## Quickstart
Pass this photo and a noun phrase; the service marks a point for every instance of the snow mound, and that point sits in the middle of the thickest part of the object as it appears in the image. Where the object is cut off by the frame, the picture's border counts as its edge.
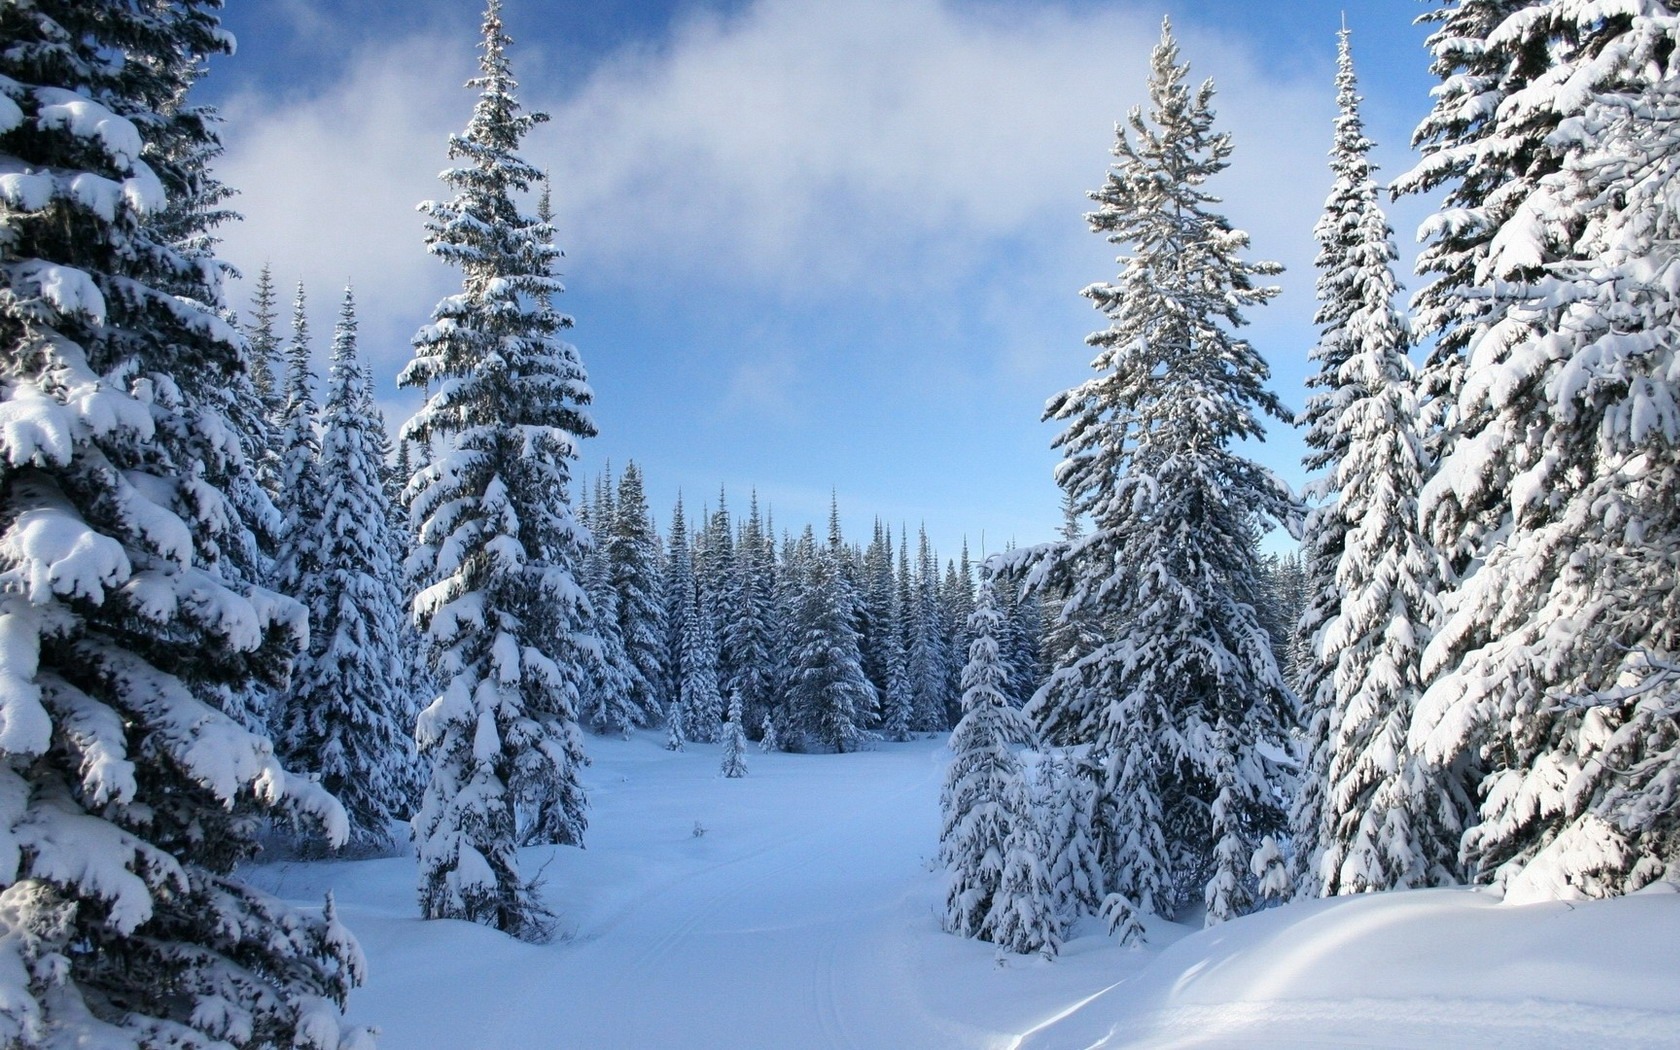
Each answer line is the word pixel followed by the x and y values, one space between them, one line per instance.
pixel 1426 968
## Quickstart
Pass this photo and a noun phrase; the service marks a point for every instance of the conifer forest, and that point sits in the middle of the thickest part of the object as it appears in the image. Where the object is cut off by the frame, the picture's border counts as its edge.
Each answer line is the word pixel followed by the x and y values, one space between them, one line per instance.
pixel 323 729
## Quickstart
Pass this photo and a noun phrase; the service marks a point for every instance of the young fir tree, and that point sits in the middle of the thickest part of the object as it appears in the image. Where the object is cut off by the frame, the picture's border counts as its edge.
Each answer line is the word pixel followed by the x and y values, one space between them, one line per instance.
pixel 1188 688
pixel 1366 818
pixel 298 560
pixel 998 888
pixel 700 698
pixel 266 377
pixel 342 718
pixel 928 652
pixel 898 702
pixel 632 550
pixel 1074 866
pixel 606 704
pixel 679 594
pixel 750 633
pixel 734 741
pixel 1557 494
pixel 503 612
pixel 828 692
pixel 130 621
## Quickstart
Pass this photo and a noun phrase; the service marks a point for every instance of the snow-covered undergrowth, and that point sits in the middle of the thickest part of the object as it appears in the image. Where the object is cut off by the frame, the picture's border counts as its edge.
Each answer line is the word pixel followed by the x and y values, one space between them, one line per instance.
pixel 805 914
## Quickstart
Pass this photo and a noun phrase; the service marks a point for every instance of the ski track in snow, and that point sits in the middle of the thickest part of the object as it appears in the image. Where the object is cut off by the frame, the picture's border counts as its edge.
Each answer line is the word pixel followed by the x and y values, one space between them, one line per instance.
pixel 806 917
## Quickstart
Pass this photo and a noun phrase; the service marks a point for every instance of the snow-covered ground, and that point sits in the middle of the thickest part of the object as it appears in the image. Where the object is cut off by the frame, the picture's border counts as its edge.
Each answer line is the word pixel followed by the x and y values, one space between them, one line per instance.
pixel 804 914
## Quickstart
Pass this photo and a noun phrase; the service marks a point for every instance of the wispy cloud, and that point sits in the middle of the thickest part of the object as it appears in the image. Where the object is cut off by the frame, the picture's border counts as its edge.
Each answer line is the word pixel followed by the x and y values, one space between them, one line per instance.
pixel 902 159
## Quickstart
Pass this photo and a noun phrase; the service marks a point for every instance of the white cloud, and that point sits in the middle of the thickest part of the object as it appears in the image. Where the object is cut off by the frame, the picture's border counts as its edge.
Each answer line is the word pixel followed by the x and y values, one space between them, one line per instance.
pixel 328 187
pixel 889 156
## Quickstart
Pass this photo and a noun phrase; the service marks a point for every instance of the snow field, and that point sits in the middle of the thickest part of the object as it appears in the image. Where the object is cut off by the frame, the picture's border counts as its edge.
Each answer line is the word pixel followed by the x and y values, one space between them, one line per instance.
pixel 807 916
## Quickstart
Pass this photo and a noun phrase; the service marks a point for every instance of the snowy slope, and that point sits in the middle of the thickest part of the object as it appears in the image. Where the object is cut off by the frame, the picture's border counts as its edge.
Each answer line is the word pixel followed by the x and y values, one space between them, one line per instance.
pixel 806 916
pixel 1427 968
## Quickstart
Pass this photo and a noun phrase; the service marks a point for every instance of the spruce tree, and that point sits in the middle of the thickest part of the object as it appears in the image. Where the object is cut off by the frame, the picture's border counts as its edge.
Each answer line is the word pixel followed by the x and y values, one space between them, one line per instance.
pixel 503 612
pixel 750 634
pixel 131 621
pixel 1074 871
pixel 998 888
pixel 606 702
pixel 632 555
pixel 343 717
pixel 298 561
pixel 700 698
pixel 1557 494
pixel 679 594
pixel 1188 690
pixel 734 741
pixel 1366 817
pixel 828 690
pixel 928 651
pixel 267 377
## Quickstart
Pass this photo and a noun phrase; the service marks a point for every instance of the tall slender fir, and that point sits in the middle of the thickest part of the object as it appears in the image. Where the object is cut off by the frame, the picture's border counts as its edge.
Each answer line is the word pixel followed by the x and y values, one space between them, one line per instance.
pixel 503 612
pixel 1187 693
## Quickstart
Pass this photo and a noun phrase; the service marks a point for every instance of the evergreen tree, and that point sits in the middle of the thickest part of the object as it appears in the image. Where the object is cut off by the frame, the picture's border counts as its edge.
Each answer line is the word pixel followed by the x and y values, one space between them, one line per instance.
pixel 343 715
pixel 1188 686
pixel 898 702
pixel 607 704
pixel 679 595
pixel 1555 497
pixel 1074 864
pixel 131 621
pixel 266 377
pixel 1366 818
pixel 633 563
pixel 956 602
pixel 734 741
pixel 750 635
pixel 700 698
pixel 828 689
pixel 298 561
pixel 503 612
pixel 929 660
pixel 1063 710
pixel 989 842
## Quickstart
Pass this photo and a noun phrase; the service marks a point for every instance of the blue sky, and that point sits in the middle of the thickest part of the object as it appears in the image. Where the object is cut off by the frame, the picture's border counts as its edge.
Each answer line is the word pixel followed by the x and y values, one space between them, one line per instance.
pixel 812 245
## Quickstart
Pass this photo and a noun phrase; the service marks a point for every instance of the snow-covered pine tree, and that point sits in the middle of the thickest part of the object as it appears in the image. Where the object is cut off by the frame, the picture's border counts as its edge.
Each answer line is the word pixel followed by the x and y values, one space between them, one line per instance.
pixel 828 691
pixel 956 603
pixel 633 564
pixel 734 741
pixel 267 377
pixel 715 571
pixel 898 702
pixel 1557 495
pixel 1068 802
pixel 750 631
pixel 605 701
pixel 1189 688
pixel 503 612
pixel 129 620
pixel 679 594
pixel 343 714
pixel 699 697
pixel 875 590
pixel 1366 816
pixel 297 563
pixel 928 652
pixel 1062 709
pixel 998 888
pixel 1023 628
